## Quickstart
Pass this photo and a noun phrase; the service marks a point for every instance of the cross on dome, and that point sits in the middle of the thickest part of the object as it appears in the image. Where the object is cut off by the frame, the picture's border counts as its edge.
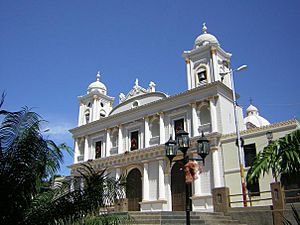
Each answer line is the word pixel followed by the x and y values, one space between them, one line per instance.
pixel 251 101
pixel 98 76
pixel 204 28
pixel 136 83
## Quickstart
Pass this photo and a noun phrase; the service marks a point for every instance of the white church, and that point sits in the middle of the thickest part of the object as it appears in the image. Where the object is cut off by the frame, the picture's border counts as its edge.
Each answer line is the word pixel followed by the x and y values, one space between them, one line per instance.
pixel 130 137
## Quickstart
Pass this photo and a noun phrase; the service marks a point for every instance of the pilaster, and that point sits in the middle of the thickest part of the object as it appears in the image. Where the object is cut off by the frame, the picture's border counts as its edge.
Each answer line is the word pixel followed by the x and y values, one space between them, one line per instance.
pixel 120 140
pixel 108 145
pixel 161 128
pixel 161 180
pixel 146 182
pixel 217 176
pixel 213 114
pixel 147 132
pixel 188 71
pixel 195 124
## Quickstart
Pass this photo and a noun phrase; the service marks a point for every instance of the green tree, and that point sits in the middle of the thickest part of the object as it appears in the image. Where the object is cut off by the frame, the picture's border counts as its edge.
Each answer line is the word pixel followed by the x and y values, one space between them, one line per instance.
pixel 280 157
pixel 85 205
pixel 26 160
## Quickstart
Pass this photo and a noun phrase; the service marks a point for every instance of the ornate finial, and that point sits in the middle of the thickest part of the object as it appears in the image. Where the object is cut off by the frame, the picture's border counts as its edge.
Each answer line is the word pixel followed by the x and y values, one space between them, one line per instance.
pixel 204 28
pixel 98 76
pixel 152 86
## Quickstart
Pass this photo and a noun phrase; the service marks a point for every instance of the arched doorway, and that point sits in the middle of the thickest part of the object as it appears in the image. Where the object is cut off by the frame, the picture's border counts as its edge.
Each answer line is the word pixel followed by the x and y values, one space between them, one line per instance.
pixel 134 189
pixel 178 187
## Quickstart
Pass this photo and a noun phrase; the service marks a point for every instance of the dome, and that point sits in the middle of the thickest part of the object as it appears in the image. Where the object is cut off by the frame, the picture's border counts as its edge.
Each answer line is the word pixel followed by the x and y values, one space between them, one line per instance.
pixel 205 38
pixel 97 85
pixel 253 118
pixel 251 109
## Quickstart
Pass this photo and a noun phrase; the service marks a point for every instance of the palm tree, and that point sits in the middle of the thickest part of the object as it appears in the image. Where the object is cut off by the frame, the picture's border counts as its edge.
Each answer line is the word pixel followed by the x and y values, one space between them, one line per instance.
pixel 85 205
pixel 26 159
pixel 280 157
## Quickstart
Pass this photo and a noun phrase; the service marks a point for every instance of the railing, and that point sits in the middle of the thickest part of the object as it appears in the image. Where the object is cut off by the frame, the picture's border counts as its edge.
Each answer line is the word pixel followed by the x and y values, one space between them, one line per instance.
pixel 292 195
pixel 258 198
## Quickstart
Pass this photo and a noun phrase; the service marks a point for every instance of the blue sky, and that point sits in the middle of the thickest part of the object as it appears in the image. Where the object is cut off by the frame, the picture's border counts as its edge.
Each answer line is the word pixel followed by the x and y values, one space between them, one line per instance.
pixel 50 51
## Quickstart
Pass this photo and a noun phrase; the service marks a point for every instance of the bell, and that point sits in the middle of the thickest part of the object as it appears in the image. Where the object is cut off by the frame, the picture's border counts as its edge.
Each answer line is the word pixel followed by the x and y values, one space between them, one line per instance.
pixel 201 76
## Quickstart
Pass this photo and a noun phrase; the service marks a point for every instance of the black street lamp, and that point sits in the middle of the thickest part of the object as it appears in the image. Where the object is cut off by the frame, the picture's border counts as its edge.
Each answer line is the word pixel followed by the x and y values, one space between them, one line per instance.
pixel 183 144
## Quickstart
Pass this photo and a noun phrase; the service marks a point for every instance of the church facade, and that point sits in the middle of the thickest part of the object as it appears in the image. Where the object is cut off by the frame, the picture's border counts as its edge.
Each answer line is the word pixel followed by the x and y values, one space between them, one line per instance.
pixel 129 138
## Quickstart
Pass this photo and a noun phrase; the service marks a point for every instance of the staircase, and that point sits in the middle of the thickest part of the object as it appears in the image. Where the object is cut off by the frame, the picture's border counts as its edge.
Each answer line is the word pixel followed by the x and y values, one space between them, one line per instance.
pixel 178 218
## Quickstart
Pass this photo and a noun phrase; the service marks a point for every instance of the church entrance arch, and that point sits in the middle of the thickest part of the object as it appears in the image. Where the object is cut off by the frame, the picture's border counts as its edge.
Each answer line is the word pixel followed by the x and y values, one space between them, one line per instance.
pixel 134 189
pixel 178 187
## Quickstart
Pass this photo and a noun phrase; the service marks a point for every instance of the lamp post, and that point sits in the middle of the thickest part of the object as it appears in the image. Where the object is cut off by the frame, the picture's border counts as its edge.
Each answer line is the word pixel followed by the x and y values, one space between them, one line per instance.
pixel 239 143
pixel 182 143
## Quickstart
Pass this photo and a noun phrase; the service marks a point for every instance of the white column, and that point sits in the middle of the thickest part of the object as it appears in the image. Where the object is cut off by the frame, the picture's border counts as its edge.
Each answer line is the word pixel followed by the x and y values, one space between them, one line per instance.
pixel 188 73
pixel 216 167
pixel 193 82
pixel 161 181
pixel 86 149
pixel 76 150
pixel 94 108
pixel 120 140
pixel 80 116
pixel 107 142
pixel 146 182
pixel 215 65
pixel 161 128
pixel 147 132
pixel 197 184
pixel 168 177
pixel 195 123
pixel 213 114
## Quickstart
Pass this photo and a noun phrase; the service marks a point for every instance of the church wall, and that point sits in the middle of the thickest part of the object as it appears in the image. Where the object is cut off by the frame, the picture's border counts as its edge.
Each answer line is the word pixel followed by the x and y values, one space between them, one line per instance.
pixel 231 163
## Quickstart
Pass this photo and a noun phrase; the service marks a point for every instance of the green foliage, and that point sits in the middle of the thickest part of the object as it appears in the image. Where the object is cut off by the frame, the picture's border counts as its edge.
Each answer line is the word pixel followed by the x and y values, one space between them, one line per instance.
pixel 64 206
pixel 26 159
pixel 279 157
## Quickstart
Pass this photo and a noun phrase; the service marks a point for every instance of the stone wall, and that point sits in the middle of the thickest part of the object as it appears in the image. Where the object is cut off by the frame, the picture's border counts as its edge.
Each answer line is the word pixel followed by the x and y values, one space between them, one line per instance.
pixel 252 215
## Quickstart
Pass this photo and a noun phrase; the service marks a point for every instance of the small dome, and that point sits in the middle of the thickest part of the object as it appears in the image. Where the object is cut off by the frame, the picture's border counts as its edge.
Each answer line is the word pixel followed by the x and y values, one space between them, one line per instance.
pixel 252 109
pixel 253 118
pixel 205 38
pixel 97 85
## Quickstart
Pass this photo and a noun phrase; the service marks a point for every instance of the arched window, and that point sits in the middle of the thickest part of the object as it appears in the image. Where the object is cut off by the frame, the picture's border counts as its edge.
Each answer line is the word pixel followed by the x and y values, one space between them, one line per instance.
pixel 87 116
pixel 154 128
pixel 154 132
pixel 201 76
pixel 114 139
pixel 102 114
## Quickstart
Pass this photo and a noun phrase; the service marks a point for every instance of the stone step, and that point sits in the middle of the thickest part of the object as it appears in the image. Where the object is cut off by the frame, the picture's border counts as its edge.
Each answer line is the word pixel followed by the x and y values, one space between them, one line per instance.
pixel 178 218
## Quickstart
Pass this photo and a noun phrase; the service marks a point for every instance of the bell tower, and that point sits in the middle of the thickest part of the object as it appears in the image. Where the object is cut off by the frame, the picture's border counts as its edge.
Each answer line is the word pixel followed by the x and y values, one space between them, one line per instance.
pixel 206 61
pixel 96 104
